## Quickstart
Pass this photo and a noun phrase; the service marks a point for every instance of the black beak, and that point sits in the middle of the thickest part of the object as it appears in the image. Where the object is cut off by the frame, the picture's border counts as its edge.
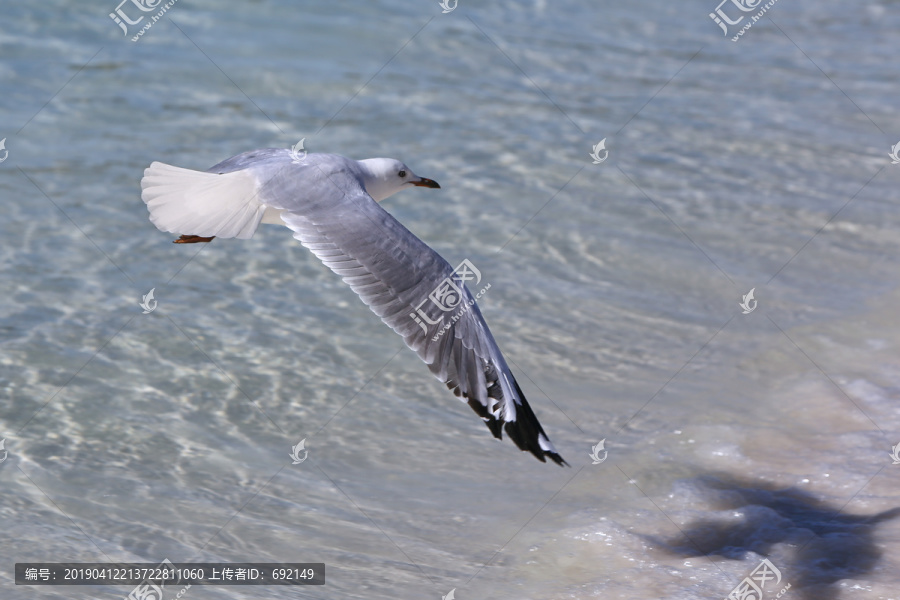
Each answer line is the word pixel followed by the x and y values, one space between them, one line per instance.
pixel 429 183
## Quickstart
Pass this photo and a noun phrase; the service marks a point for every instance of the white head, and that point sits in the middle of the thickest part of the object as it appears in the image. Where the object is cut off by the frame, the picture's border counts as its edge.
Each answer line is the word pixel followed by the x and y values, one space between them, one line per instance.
pixel 384 177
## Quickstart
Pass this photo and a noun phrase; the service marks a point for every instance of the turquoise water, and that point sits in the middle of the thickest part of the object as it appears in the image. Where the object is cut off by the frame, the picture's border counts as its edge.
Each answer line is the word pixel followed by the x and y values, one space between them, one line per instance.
pixel 615 292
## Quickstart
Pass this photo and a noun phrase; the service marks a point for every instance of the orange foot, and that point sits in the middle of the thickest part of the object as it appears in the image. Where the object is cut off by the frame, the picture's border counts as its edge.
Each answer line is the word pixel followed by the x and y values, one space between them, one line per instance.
pixel 192 239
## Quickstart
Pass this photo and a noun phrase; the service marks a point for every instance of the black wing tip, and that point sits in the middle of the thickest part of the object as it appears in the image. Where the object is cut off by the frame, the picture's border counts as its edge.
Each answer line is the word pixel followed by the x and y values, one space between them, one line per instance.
pixel 525 431
pixel 555 457
pixel 527 440
pixel 528 432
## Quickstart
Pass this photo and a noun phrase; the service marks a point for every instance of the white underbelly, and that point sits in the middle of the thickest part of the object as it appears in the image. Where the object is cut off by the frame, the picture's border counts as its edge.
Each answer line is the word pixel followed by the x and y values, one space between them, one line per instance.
pixel 272 216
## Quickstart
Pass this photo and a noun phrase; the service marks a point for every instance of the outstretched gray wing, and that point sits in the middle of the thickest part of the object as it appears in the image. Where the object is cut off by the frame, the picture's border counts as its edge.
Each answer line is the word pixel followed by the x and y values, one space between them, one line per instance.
pixel 394 273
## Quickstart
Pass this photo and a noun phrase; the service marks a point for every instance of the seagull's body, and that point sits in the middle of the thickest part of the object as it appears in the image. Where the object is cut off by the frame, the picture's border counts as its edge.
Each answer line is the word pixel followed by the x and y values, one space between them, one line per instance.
pixel 331 204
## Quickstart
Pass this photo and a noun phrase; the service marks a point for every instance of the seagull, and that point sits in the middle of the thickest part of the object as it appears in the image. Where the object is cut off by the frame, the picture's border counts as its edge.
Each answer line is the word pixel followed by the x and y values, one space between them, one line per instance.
pixel 331 203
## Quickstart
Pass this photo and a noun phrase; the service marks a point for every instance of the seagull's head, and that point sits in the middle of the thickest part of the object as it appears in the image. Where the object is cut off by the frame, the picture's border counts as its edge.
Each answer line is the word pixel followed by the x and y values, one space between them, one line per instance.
pixel 384 177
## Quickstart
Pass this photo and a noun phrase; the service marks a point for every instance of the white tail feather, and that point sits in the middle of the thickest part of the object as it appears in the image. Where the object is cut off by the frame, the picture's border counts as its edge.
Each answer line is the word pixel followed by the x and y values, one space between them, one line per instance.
pixel 205 204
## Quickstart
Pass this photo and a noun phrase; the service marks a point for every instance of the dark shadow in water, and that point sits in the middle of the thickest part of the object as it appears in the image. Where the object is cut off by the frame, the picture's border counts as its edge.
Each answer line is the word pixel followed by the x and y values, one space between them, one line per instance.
pixel 827 546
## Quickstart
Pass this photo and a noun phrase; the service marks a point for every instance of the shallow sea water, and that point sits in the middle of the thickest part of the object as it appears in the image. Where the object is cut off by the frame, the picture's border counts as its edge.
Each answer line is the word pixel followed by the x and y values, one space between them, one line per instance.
pixel 615 292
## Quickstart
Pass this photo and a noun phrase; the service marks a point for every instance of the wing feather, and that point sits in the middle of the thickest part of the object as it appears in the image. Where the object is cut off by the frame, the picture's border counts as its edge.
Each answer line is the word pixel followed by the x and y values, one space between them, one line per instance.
pixel 393 272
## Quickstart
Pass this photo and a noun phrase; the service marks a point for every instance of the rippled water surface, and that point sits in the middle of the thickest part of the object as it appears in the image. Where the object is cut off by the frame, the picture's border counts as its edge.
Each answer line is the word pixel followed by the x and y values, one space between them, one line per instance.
pixel 615 289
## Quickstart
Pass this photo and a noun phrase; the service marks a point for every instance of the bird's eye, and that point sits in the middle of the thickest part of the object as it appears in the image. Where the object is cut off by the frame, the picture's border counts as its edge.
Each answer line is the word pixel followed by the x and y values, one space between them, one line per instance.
pixel 401 174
